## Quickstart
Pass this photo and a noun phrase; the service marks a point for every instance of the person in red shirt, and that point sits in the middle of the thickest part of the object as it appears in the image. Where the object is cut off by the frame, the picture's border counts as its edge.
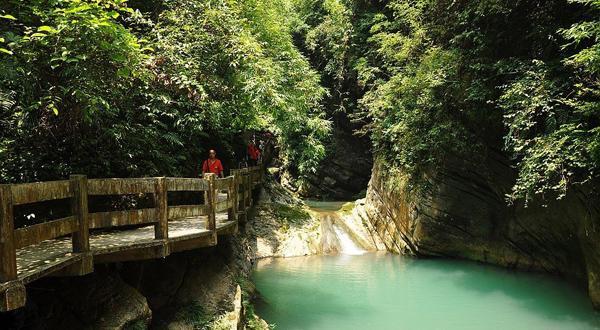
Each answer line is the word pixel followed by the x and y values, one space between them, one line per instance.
pixel 212 164
pixel 253 153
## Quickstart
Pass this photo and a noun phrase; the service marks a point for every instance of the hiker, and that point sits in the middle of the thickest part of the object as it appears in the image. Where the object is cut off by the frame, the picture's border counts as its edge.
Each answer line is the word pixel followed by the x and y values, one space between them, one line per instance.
pixel 253 153
pixel 212 164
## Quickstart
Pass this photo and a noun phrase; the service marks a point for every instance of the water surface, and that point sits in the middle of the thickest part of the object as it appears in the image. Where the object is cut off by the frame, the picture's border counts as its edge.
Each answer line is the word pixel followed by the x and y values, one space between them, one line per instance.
pixel 382 291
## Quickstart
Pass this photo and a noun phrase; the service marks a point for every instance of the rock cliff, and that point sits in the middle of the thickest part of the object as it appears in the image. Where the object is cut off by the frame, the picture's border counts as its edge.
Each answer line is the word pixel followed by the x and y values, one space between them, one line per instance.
pixel 465 215
pixel 345 171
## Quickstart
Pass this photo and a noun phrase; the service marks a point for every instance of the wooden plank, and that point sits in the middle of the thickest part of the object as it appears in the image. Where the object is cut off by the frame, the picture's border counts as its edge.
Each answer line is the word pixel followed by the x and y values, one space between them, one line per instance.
pixel 76 267
pixel 228 228
pixel 79 209
pixel 211 201
pixel 120 186
pixel 122 218
pixel 8 256
pixel 224 184
pixel 221 206
pixel 232 199
pixel 43 231
pixel 248 191
pixel 48 267
pixel 197 241
pixel 26 193
pixel 12 296
pixel 184 211
pixel 151 250
pixel 161 228
pixel 186 184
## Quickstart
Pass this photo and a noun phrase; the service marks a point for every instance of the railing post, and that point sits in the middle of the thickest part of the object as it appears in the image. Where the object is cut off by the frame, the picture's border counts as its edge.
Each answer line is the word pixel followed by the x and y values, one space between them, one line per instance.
pixel 232 196
pixel 8 261
pixel 262 173
pixel 79 208
pixel 248 190
pixel 237 176
pixel 161 228
pixel 210 202
pixel 13 295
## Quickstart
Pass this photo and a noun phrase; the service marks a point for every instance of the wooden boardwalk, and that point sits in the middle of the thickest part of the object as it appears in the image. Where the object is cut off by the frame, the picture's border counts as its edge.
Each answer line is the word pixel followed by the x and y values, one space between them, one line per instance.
pixel 71 246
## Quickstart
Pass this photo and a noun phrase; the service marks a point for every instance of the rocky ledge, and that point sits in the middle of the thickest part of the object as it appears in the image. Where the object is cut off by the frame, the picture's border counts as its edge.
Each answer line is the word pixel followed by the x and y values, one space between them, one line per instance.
pixel 284 226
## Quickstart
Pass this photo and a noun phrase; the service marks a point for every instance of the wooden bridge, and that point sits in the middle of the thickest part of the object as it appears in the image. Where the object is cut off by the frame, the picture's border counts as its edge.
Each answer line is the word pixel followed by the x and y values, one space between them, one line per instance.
pixel 70 246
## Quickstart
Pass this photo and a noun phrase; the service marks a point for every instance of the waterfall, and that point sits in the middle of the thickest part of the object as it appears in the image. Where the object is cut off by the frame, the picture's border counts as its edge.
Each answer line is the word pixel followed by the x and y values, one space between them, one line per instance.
pixel 347 244
pixel 335 238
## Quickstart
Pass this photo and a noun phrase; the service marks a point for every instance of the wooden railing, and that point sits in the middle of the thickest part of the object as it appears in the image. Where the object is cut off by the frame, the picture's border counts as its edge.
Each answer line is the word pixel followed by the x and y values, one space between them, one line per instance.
pixel 232 195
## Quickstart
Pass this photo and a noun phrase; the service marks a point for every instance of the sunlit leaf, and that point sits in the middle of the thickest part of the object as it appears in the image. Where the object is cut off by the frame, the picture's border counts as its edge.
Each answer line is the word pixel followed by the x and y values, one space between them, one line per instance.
pixel 10 17
pixel 46 28
pixel 38 35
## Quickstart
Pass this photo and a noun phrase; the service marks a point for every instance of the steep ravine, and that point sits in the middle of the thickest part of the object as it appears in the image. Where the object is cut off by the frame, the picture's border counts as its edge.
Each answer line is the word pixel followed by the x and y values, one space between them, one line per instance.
pixel 465 215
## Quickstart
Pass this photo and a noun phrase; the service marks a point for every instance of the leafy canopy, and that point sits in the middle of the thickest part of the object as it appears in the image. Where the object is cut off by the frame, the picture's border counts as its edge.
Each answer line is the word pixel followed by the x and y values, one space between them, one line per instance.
pixel 111 88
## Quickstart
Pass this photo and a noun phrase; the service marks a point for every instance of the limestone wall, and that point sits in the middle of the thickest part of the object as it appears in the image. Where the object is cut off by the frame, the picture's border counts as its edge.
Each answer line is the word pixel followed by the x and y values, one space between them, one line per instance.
pixel 465 215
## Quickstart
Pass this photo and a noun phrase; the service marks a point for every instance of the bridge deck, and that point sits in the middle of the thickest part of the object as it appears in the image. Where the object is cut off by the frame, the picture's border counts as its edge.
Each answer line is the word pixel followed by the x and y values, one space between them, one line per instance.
pixel 50 252
pixel 36 260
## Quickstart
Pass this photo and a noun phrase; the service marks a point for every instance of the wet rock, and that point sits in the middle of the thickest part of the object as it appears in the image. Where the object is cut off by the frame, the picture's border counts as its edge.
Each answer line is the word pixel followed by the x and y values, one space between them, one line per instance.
pixel 354 219
pixel 282 227
pixel 330 243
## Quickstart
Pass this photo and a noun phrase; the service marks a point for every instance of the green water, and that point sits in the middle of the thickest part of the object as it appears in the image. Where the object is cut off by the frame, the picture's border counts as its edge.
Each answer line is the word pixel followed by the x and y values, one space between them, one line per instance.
pixel 382 291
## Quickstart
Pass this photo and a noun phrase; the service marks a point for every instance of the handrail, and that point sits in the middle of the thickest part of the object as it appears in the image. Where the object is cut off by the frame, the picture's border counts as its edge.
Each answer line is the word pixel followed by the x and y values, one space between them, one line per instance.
pixel 78 224
pixel 120 186
pixel 43 231
pixel 186 184
pixel 26 193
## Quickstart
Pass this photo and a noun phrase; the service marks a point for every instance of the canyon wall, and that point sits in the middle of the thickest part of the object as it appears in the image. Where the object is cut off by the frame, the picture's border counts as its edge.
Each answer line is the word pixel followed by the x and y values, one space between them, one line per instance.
pixel 465 215
pixel 346 169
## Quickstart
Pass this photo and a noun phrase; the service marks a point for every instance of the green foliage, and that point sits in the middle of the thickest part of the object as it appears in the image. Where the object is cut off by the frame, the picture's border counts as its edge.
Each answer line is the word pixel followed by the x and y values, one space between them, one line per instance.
pixel 295 215
pixel 440 81
pixel 111 88
pixel 411 124
pixel 553 111
pixel 101 88
pixel 195 316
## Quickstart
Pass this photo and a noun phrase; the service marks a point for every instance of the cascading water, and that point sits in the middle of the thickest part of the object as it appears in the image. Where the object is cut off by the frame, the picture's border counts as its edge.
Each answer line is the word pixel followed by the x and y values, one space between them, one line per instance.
pixel 334 238
pixel 347 245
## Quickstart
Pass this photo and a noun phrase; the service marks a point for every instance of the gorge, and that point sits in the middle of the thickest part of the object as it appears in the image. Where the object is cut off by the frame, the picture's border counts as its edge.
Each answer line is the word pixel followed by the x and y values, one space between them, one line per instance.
pixel 461 137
